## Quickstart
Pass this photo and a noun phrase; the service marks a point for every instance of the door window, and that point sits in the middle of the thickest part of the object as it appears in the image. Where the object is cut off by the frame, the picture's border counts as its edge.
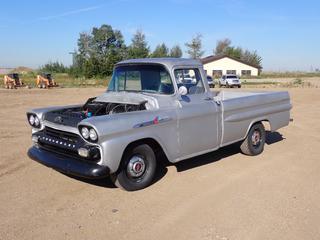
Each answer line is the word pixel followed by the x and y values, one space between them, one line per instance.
pixel 191 79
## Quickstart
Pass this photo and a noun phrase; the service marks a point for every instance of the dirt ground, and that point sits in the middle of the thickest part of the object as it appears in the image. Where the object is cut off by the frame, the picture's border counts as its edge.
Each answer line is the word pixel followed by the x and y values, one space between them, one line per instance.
pixel 221 195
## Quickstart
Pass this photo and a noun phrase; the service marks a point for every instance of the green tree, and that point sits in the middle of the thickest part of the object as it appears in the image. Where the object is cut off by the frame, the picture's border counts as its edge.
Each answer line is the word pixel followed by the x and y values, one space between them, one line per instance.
pixel 195 47
pixel 161 51
pixel 235 52
pixel 99 50
pixel 224 47
pixel 252 58
pixel 176 52
pixel 139 46
pixel 221 46
pixel 53 67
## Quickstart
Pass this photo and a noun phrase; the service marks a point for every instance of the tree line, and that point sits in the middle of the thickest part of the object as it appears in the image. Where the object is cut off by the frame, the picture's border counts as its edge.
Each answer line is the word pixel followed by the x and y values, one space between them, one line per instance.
pixel 98 51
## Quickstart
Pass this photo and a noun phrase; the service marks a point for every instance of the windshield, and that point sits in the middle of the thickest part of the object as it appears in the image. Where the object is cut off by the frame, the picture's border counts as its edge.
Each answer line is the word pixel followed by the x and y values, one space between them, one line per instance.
pixel 232 76
pixel 141 78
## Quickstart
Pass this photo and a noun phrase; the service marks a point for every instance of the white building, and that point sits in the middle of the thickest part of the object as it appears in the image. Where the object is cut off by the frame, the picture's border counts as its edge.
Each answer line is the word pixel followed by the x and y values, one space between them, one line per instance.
pixel 219 65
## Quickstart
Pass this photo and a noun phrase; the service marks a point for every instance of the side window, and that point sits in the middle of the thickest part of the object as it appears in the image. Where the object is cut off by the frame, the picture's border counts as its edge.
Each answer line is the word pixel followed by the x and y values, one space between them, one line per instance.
pixel 191 79
pixel 166 85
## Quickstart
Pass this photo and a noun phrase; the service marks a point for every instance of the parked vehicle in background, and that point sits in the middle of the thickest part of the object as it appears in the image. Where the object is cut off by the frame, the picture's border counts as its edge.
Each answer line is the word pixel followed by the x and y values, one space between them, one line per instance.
pixel 45 80
pixel 148 113
pixel 12 81
pixel 210 81
pixel 230 80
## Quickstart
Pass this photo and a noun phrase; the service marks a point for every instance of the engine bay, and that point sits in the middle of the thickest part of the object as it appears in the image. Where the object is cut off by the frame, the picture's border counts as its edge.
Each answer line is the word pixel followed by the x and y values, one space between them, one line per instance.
pixel 72 116
pixel 94 108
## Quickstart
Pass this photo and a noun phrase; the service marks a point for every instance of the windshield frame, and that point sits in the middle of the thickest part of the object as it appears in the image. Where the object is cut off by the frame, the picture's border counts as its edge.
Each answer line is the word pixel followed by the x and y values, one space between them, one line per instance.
pixel 144 91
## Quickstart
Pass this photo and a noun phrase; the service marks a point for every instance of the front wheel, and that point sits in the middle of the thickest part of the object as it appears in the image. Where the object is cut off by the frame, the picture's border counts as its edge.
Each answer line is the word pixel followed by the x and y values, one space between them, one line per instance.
pixel 255 140
pixel 137 169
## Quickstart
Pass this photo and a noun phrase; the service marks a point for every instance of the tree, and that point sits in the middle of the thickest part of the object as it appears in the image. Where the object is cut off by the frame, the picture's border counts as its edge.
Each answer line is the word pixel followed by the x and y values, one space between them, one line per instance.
pixel 139 47
pixel 99 50
pixel 53 67
pixel 221 46
pixel 176 52
pixel 195 47
pixel 161 51
pixel 252 58
pixel 235 52
pixel 224 47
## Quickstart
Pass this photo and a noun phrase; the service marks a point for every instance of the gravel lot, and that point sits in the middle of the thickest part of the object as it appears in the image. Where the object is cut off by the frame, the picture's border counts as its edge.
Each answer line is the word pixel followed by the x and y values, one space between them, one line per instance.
pixel 221 195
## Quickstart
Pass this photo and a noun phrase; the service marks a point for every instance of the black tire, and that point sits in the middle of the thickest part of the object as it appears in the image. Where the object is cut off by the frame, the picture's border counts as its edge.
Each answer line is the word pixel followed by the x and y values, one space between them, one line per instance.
pixel 124 179
pixel 254 143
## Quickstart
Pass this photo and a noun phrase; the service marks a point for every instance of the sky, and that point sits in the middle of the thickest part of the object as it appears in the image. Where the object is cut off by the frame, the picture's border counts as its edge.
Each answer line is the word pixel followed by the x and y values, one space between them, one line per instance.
pixel 286 34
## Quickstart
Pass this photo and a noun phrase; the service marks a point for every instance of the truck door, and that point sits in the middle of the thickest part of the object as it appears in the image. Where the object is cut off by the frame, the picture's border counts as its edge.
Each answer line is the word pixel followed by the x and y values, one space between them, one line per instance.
pixel 198 115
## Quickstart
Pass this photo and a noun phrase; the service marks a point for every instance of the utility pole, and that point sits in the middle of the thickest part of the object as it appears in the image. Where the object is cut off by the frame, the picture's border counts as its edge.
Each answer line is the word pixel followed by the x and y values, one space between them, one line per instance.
pixel 74 60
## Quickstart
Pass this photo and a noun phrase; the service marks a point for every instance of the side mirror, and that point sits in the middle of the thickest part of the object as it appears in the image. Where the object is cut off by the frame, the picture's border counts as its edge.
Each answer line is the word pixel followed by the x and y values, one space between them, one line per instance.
pixel 183 91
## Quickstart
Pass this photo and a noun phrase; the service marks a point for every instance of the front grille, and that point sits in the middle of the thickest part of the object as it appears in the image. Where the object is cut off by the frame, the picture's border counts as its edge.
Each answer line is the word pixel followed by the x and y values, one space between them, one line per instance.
pixel 71 138
pixel 62 142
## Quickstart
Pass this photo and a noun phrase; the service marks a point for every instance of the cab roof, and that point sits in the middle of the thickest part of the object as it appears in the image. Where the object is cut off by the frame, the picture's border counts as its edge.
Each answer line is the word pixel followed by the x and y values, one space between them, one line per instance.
pixel 168 62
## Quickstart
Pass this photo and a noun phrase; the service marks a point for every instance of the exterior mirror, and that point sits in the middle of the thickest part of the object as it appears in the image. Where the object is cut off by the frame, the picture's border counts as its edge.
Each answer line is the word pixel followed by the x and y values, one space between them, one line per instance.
pixel 183 91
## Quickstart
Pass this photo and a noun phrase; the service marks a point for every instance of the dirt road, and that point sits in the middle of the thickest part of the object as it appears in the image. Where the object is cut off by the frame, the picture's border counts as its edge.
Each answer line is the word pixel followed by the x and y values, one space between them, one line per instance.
pixel 221 195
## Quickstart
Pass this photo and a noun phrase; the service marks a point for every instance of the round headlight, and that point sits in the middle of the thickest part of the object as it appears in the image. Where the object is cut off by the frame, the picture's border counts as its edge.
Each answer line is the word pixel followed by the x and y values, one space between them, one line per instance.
pixel 85 132
pixel 31 119
pixel 36 121
pixel 93 135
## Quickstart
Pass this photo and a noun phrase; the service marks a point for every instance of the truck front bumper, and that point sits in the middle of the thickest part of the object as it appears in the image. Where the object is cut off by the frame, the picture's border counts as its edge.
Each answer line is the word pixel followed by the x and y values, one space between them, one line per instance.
pixel 68 165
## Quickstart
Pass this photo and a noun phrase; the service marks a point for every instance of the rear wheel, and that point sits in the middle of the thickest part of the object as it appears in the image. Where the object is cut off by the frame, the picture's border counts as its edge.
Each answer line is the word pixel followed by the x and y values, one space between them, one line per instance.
pixel 137 169
pixel 255 140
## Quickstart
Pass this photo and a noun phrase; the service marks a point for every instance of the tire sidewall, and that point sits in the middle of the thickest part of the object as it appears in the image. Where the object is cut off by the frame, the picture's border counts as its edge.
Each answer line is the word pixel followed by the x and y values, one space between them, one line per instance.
pixel 253 149
pixel 130 184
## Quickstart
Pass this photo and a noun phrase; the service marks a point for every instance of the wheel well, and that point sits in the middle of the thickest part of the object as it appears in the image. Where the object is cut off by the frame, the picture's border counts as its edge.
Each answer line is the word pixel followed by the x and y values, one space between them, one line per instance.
pixel 160 154
pixel 265 123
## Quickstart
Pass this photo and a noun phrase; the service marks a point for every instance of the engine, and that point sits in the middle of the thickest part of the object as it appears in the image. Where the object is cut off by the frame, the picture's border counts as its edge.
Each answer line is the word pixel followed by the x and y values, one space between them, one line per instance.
pixel 72 116
pixel 93 108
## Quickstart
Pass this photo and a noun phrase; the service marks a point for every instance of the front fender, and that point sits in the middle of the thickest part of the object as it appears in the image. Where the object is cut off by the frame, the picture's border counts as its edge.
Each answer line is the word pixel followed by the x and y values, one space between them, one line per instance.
pixel 117 131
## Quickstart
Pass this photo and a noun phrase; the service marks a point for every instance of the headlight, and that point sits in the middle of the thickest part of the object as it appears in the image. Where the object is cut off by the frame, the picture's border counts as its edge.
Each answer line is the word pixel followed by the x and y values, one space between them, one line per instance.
pixel 88 133
pixel 93 135
pixel 85 132
pixel 36 121
pixel 33 120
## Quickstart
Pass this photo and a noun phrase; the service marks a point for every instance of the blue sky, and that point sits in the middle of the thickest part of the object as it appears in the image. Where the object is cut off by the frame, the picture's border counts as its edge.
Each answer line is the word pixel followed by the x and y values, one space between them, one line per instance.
pixel 285 33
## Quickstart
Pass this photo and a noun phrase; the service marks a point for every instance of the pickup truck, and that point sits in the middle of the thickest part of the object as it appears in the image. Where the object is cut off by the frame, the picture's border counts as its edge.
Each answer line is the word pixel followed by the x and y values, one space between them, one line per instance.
pixel 230 80
pixel 147 113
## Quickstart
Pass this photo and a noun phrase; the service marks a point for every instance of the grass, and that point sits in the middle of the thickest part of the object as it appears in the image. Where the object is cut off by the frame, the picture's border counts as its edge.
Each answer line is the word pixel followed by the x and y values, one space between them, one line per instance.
pixel 285 75
pixel 258 83
pixel 63 79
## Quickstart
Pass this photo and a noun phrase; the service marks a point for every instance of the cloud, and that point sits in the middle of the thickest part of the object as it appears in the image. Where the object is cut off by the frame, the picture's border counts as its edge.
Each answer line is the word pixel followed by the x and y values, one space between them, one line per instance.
pixel 68 13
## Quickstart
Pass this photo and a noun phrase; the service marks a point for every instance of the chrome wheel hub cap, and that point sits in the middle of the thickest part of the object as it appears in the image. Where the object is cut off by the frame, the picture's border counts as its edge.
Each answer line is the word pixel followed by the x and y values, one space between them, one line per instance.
pixel 136 166
pixel 256 138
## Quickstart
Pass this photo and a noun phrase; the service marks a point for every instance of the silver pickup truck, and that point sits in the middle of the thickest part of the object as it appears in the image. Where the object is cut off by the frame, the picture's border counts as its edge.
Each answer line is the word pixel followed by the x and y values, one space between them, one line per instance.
pixel 149 110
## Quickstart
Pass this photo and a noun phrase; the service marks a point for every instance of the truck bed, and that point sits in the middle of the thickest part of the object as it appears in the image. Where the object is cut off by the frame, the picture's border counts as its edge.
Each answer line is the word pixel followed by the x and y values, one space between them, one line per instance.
pixel 242 109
